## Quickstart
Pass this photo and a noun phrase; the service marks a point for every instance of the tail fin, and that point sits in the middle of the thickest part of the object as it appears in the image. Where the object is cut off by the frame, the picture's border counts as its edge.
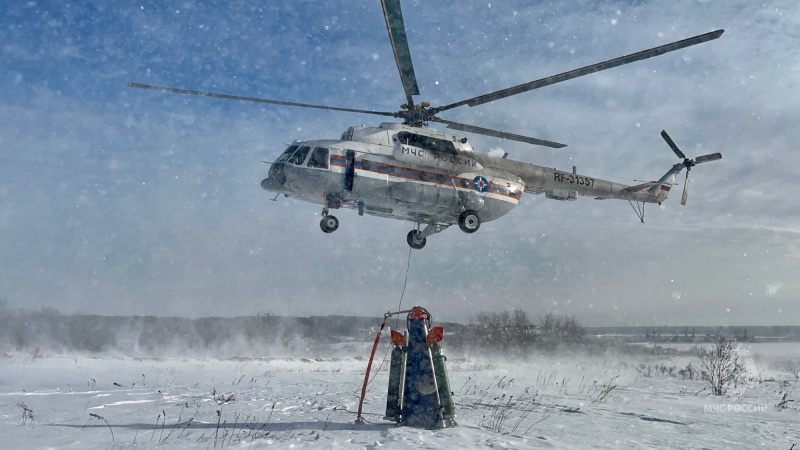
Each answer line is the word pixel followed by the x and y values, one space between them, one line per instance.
pixel 663 184
pixel 667 180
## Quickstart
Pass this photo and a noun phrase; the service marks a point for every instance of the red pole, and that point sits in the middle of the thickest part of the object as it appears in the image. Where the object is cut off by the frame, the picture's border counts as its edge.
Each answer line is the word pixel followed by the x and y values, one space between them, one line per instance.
pixel 360 419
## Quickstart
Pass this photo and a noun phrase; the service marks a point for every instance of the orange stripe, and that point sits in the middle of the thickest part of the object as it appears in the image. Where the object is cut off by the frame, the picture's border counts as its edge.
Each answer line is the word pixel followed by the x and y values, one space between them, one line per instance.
pixel 397 171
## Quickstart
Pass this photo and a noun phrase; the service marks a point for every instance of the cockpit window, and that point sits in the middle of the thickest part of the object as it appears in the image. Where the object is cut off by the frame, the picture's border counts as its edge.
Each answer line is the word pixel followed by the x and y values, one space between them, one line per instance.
pixel 299 156
pixel 319 158
pixel 427 142
pixel 286 154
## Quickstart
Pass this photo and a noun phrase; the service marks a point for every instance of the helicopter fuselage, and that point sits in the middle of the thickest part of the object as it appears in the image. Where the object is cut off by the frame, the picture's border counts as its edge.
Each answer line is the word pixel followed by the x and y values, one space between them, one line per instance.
pixel 424 176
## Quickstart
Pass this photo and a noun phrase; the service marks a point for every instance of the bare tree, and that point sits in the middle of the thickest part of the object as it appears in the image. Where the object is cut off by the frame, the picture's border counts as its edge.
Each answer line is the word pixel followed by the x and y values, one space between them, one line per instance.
pixel 561 327
pixel 722 366
pixel 521 322
pixel 504 330
pixel 791 366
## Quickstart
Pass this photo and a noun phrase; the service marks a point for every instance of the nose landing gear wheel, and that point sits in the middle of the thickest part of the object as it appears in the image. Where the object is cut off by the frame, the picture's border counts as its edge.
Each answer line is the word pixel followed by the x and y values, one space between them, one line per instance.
pixel 413 241
pixel 329 224
pixel 468 221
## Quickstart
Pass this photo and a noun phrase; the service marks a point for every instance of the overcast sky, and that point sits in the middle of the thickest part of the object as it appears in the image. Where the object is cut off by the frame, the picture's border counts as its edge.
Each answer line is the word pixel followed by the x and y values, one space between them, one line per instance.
pixel 121 201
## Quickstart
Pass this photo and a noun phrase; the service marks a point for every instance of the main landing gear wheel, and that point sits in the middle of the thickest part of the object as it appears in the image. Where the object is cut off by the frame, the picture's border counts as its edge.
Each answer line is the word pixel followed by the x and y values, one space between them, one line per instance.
pixel 413 240
pixel 329 224
pixel 468 221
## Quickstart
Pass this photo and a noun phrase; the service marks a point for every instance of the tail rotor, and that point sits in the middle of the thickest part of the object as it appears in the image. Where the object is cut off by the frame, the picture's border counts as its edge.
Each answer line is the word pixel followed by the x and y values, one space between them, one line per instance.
pixel 685 188
pixel 688 163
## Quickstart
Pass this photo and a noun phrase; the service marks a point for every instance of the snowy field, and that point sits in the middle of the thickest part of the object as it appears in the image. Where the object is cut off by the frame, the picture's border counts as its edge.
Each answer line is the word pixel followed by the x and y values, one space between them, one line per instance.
pixel 61 401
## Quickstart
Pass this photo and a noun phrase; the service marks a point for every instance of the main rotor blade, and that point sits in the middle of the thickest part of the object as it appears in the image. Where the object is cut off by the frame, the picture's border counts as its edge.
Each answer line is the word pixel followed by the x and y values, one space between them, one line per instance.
pixel 645 54
pixel 495 133
pixel 672 144
pixel 257 100
pixel 708 158
pixel 397 36
pixel 685 189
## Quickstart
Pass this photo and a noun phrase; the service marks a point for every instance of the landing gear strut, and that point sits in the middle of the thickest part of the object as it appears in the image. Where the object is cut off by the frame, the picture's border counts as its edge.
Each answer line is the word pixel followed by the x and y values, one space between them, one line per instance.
pixel 328 224
pixel 639 209
pixel 417 238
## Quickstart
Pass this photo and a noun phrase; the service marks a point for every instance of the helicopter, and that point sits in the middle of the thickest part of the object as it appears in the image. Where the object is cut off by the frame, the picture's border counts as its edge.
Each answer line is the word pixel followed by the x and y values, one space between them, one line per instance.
pixel 409 171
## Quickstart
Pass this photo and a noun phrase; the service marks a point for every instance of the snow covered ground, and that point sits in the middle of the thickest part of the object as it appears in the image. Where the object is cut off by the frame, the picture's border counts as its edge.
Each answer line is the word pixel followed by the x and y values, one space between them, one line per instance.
pixel 61 401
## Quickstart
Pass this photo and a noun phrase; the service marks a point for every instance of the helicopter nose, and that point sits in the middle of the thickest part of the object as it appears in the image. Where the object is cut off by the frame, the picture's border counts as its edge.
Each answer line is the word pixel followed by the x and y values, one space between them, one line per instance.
pixel 268 184
pixel 275 179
